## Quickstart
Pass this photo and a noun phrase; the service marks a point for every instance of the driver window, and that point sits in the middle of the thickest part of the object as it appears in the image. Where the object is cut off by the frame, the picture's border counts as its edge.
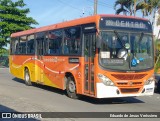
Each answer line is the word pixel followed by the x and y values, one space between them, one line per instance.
pixel 114 47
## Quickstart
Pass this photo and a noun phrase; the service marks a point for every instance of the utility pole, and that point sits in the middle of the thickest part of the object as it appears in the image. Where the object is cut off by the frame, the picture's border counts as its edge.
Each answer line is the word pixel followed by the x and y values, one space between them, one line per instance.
pixel 95 6
pixel 135 1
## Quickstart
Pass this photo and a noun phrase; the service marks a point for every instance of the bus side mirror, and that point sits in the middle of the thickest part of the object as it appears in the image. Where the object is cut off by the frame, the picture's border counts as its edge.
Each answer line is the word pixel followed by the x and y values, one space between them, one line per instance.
pixel 99 42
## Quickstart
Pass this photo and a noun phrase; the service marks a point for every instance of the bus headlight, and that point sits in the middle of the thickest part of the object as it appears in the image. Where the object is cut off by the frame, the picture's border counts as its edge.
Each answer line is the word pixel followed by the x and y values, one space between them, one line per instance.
pixel 149 81
pixel 106 81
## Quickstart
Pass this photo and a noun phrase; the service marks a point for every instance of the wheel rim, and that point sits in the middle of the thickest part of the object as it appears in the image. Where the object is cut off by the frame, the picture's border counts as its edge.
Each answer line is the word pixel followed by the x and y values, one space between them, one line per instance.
pixel 27 77
pixel 72 87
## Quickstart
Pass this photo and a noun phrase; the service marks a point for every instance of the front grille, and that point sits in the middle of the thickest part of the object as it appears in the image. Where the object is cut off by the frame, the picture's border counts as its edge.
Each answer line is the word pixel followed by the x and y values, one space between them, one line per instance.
pixel 129 83
pixel 132 90
pixel 137 83
pixel 122 83
pixel 128 76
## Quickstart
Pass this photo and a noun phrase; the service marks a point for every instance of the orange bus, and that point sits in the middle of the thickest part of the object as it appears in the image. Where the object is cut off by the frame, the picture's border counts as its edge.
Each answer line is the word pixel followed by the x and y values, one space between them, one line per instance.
pixel 101 56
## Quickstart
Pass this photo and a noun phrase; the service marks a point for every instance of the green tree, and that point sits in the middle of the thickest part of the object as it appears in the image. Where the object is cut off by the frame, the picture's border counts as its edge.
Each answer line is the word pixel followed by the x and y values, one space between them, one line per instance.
pixel 122 7
pixel 126 7
pixel 148 7
pixel 13 18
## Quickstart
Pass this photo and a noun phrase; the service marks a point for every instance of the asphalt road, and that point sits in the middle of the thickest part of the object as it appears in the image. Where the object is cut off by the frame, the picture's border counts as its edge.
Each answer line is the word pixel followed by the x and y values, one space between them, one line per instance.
pixel 16 96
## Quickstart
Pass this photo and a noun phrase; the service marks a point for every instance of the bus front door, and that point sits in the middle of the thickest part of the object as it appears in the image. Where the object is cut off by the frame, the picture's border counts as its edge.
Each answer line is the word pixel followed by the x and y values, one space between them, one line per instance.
pixel 89 53
pixel 39 61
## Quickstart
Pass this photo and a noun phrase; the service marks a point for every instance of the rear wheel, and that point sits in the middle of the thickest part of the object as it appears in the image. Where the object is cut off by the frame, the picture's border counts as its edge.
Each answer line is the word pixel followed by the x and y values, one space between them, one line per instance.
pixel 71 88
pixel 27 78
pixel 157 86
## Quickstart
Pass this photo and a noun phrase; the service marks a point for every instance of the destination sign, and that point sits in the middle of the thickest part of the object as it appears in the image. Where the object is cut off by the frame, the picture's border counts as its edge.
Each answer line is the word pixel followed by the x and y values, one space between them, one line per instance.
pixel 125 24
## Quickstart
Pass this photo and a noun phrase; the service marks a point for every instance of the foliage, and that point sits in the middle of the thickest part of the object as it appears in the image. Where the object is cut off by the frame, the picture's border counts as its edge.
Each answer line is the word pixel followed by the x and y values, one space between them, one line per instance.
pixel 158 21
pixel 13 18
pixel 3 51
pixel 147 7
pixel 157 66
pixel 4 62
pixel 157 55
pixel 124 6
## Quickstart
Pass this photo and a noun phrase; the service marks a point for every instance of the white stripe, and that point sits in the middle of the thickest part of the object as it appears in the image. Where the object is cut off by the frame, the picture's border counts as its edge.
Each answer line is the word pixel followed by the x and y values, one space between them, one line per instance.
pixel 27 60
pixel 57 72
pixel 23 63
pixel 39 60
pixel 74 67
pixel 51 70
pixel 16 66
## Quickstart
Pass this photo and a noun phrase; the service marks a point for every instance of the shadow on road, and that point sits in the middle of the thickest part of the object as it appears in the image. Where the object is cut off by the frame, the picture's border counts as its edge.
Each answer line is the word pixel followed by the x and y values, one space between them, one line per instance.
pixel 8 117
pixel 124 100
pixel 6 109
pixel 18 80
pixel 43 87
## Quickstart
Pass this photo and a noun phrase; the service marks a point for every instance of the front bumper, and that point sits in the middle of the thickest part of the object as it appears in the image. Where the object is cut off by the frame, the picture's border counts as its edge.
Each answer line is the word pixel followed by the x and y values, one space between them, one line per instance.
pixel 104 91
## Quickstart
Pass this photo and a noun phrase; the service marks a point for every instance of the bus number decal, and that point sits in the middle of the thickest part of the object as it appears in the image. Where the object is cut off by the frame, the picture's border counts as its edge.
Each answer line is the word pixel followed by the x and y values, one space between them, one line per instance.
pixel 73 60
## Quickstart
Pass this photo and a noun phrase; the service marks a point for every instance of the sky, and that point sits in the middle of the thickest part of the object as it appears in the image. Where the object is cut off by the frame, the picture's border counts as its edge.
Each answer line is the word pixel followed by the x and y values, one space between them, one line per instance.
pixel 47 12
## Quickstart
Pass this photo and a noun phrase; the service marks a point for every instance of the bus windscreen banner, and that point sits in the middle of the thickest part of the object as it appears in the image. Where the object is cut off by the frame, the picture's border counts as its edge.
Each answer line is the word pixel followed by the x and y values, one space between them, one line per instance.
pixel 125 24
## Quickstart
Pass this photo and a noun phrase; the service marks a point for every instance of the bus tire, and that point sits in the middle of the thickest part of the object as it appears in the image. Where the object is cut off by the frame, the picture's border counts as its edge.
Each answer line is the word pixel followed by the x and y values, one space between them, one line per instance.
pixel 71 88
pixel 27 78
pixel 157 86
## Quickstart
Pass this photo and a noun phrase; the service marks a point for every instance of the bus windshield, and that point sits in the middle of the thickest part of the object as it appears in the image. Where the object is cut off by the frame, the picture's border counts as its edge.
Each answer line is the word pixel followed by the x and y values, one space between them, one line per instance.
pixel 127 51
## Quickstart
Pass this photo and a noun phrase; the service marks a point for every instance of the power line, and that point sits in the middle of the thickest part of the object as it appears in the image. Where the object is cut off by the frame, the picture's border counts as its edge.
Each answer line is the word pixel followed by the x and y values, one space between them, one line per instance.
pixel 80 10
pixel 102 4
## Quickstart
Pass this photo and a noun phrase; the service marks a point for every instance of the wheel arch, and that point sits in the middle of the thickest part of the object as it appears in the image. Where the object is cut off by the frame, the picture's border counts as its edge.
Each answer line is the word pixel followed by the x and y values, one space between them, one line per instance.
pixel 69 74
pixel 26 67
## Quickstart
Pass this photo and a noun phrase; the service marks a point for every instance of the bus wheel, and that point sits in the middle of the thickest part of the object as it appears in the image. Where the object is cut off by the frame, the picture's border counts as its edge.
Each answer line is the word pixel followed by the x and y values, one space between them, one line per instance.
pixel 27 78
pixel 71 88
pixel 155 87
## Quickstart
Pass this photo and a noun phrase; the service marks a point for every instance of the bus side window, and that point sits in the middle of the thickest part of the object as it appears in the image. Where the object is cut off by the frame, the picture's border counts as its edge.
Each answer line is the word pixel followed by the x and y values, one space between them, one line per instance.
pixel 72 40
pixel 65 47
pixel 51 48
pixel 17 48
pixel 22 45
pixel 30 45
pixel 14 45
pixel 55 42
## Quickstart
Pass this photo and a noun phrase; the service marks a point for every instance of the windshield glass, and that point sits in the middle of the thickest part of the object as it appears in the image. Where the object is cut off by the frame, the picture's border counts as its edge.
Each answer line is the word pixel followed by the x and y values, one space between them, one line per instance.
pixel 126 51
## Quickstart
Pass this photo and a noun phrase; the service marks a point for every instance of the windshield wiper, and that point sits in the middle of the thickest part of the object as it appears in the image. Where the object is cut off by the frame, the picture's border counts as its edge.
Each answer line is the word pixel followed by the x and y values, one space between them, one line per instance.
pixel 118 37
pixel 141 37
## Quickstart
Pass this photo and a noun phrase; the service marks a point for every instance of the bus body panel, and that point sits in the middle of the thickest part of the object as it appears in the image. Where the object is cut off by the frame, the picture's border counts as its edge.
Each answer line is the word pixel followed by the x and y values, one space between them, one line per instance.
pixel 55 68
pixel 52 70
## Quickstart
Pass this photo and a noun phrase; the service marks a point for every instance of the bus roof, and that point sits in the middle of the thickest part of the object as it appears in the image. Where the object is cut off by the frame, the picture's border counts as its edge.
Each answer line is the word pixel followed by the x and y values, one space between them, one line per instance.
pixel 80 21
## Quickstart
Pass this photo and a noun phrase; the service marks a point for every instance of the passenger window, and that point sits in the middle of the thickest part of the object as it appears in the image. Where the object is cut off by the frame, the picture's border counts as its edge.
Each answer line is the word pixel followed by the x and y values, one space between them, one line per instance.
pixel 22 45
pixel 55 42
pixel 30 45
pixel 14 45
pixel 40 39
pixel 72 41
